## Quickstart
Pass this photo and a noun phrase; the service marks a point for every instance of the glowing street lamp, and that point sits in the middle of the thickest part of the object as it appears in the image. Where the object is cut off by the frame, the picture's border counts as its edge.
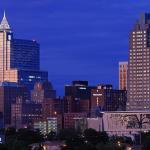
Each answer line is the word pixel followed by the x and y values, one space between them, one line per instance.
pixel 129 148
pixel 119 143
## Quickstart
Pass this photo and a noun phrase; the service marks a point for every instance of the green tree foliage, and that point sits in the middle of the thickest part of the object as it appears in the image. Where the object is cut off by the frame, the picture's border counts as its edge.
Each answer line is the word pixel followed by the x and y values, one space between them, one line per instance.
pixel 146 141
pixel 72 137
pixel 3 147
pixel 10 132
pixel 108 146
pixel 29 136
pixel 91 136
pixel 51 136
pixel 95 137
pixel 89 140
pixel 67 134
pixel 22 138
pixel 103 137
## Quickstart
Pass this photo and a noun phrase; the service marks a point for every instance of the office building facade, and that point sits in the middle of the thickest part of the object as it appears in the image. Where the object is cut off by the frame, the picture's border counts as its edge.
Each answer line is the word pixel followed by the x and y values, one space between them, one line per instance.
pixel 9 93
pixel 42 92
pixel 105 98
pixel 139 65
pixel 123 69
pixel 25 54
pixel 69 119
pixel 25 114
pixel 77 97
pixel 47 126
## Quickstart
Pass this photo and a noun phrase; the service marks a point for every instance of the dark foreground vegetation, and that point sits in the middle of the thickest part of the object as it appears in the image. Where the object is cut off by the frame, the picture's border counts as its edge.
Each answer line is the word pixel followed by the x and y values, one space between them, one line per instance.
pixel 74 140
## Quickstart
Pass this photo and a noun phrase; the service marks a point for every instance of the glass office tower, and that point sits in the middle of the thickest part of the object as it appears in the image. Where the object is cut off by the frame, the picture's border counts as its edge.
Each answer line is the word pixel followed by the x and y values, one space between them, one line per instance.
pixel 19 59
pixel 25 54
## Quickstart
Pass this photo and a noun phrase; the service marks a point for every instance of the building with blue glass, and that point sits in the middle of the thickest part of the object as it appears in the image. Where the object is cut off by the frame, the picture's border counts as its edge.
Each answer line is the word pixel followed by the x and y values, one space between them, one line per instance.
pixel 19 59
pixel 25 54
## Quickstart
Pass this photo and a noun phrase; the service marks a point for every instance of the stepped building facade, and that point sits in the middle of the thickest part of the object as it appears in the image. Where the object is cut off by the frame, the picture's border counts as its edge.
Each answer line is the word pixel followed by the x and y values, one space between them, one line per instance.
pixel 19 59
pixel 139 65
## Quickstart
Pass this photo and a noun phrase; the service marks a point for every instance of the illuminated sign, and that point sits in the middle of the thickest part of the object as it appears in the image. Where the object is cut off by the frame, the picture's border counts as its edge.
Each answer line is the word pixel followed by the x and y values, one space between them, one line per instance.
pixel 82 88
pixel 97 94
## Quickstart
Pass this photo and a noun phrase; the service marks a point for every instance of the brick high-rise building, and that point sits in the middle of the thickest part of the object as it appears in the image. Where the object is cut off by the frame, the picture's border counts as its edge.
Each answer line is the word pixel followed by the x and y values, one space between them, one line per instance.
pixel 123 69
pixel 42 91
pixel 105 98
pixel 139 65
pixel 24 114
pixel 9 93
pixel 77 97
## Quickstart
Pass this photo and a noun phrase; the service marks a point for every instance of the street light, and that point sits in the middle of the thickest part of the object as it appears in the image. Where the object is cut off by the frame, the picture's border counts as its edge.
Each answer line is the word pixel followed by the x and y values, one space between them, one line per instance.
pixel 64 145
pixel 44 147
pixel 129 148
pixel 55 113
pixel 119 143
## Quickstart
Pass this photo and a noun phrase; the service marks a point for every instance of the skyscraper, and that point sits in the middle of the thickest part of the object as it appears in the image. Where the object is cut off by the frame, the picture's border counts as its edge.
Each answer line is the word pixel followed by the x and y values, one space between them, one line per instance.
pixel 139 65
pixel 27 54
pixel 6 73
pixel 19 59
pixel 123 68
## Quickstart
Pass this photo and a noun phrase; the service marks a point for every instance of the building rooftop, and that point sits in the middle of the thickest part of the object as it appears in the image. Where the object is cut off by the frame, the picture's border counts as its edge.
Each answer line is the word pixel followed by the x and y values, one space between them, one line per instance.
pixel 137 111
pixel 4 23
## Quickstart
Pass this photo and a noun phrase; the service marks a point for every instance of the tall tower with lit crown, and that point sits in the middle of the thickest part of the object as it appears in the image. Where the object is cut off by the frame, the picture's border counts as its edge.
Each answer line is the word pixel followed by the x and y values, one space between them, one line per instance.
pixel 6 73
pixel 19 59
pixel 139 65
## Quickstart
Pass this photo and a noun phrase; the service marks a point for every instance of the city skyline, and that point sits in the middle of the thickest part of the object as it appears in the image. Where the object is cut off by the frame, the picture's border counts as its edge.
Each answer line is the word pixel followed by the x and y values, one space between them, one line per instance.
pixel 71 42
pixel 75 74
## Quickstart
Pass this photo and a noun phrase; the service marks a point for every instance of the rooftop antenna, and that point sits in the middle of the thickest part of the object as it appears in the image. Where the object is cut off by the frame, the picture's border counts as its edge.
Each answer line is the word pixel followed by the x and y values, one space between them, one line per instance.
pixel 4 13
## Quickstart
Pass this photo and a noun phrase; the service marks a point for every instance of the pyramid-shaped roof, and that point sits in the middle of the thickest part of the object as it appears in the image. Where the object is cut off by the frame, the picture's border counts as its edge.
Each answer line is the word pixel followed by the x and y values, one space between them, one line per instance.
pixel 4 23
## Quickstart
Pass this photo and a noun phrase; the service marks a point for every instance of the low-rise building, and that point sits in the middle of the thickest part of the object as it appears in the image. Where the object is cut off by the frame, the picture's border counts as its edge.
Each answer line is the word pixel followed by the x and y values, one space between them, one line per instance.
pixel 69 119
pixel 46 126
pixel 122 123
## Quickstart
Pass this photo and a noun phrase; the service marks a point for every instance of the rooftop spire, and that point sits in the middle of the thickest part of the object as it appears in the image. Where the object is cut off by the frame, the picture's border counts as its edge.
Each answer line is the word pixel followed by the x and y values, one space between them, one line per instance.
pixel 4 23
pixel 4 14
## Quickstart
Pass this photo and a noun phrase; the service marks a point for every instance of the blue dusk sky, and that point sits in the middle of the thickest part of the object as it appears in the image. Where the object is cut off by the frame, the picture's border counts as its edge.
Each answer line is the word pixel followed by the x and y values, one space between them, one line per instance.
pixel 80 39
